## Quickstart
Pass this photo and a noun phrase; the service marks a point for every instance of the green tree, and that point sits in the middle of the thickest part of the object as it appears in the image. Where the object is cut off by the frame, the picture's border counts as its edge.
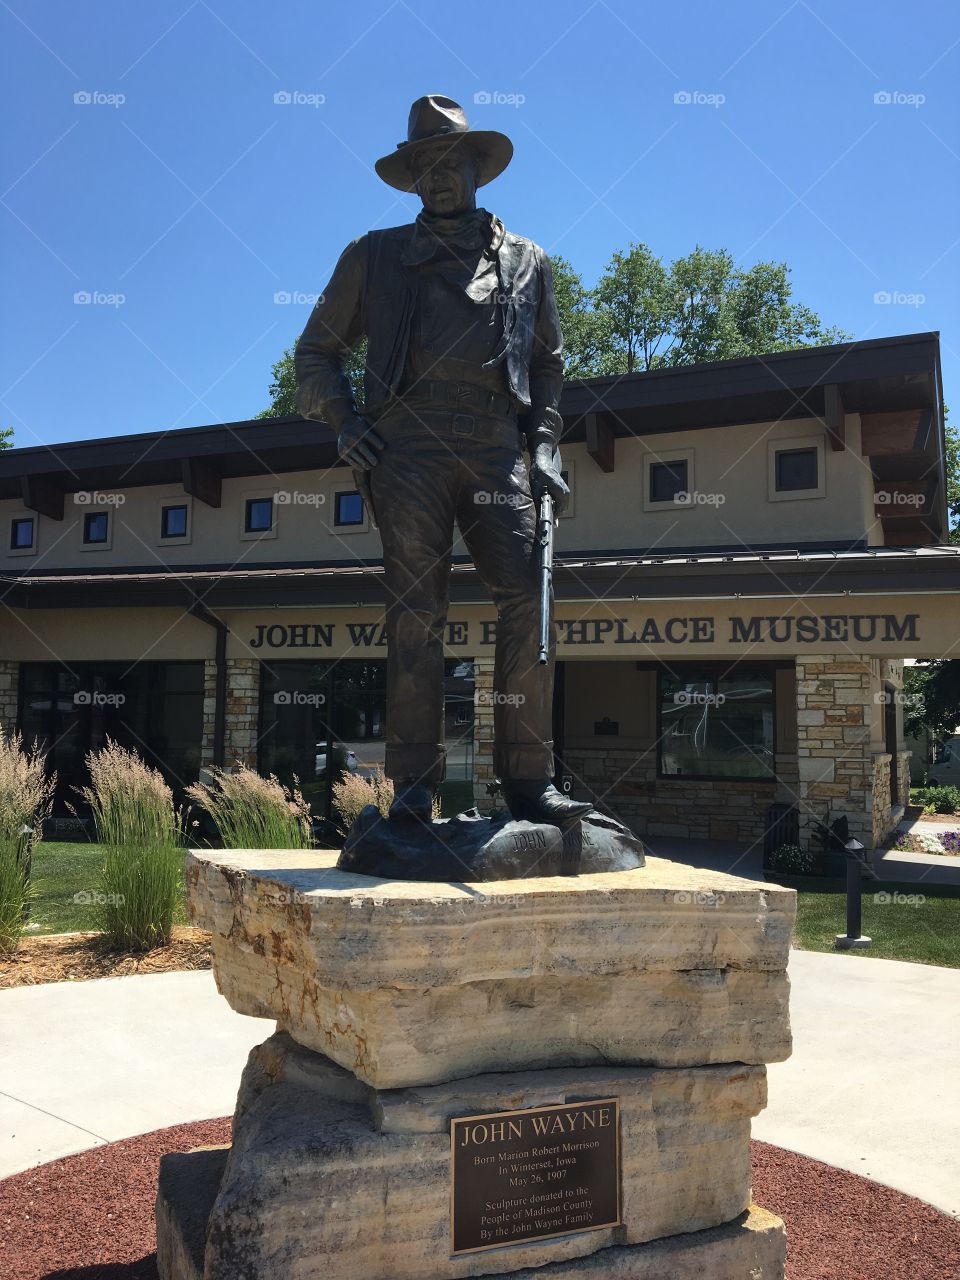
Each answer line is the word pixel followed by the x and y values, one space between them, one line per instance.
pixel 952 468
pixel 932 701
pixel 636 299
pixel 283 388
pixel 6 437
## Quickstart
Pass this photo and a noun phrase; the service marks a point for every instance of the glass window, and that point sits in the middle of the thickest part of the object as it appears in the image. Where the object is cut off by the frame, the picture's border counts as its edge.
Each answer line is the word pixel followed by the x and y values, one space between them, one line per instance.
pixel 348 508
pixel 667 479
pixel 21 533
pixel 796 469
pixel 154 708
pixel 716 723
pixel 173 522
pixel 259 515
pixel 96 527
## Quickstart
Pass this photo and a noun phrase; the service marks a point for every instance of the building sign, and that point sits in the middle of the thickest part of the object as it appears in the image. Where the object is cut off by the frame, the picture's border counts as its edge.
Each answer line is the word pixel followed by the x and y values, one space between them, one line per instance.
pixel 534 1174
pixel 608 631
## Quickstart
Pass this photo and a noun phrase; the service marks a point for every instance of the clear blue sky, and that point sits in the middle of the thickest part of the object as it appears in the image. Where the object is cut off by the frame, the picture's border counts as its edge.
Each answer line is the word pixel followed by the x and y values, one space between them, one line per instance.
pixel 198 198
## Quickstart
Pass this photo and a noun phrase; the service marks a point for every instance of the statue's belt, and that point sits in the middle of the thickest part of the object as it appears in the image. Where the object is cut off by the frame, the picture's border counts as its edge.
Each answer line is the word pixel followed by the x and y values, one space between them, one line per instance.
pixel 460 408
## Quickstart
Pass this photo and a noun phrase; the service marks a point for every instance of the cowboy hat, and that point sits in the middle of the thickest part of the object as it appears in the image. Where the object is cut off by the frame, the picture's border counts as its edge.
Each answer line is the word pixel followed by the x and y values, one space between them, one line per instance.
pixel 436 118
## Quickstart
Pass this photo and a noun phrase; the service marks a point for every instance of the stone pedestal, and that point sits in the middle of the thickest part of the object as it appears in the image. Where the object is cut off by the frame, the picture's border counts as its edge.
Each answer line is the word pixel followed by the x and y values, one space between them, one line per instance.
pixel 401 1006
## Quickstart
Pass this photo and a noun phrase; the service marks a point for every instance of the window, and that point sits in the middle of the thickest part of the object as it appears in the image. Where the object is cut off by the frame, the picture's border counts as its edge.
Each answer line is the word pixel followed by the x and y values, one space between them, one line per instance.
pixel 796 469
pixel 716 722
pixel 96 528
pixel 667 479
pixel 259 515
pixel 21 533
pixel 348 508
pixel 173 522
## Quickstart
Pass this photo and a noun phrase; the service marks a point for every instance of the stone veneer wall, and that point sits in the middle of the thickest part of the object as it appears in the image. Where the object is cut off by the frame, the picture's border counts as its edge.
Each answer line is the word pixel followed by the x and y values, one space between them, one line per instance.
pixel 243 712
pixel 483 733
pixel 9 689
pixel 625 783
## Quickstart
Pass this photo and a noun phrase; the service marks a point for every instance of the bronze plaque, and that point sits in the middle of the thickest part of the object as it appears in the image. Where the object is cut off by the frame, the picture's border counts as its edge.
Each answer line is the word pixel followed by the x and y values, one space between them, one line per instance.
pixel 534 1174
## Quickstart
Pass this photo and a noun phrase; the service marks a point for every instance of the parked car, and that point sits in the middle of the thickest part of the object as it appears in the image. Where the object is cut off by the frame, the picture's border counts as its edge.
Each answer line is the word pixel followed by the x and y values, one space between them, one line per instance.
pixel 342 758
pixel 945 771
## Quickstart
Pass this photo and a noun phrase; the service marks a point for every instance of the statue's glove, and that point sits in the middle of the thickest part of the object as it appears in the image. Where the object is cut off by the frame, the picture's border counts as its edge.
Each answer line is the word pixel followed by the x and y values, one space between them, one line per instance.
pixel 543 435
pixel 359 444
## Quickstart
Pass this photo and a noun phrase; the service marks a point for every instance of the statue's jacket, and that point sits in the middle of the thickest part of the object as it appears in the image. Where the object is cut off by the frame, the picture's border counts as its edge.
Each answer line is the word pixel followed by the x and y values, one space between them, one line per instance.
pixel 373 292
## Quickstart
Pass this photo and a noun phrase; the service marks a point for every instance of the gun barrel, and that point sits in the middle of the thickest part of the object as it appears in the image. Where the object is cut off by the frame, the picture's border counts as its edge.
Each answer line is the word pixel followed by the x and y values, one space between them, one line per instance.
pixel 545 541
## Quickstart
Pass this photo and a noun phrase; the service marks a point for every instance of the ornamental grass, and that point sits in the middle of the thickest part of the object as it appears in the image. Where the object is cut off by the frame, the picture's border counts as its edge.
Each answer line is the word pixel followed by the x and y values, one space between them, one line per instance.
pixel 254 812
pixel 26 794
pixel 353 793
pixel 138 825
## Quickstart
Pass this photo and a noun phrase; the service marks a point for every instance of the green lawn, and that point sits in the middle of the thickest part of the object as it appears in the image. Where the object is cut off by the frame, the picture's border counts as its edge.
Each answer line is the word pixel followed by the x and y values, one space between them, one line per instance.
pixel 917 922
pixel 62 869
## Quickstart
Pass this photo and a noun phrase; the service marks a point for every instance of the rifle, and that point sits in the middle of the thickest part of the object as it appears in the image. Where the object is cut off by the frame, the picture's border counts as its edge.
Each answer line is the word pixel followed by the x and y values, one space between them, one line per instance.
pixel 545 525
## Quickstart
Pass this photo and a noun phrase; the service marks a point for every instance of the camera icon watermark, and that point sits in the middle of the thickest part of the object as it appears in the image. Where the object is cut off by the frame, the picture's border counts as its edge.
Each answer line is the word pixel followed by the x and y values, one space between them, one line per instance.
pixel 897 498
pixel 296 298
pixel 298 698
pixel 697 98
pixel 898 298
pixel 298 498
pixel 94 498
pixel 297 98
pixel 497 98
pixel 692 698
pixel 495 698
pixel 498 498
pixel 97 98
pixel 93 898
pixel 897 98
pixel 96 298
pixel 97 698
pixel 699 898
pixel 897 899
pixel 693 498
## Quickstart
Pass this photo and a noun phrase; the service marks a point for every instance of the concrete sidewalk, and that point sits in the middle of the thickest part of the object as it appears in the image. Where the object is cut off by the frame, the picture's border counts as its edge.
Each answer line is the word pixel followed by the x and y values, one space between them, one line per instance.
pixel 872 1086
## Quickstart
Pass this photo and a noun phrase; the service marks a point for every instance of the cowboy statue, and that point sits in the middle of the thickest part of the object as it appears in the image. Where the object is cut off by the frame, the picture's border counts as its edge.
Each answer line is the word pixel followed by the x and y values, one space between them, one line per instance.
pixel 463 372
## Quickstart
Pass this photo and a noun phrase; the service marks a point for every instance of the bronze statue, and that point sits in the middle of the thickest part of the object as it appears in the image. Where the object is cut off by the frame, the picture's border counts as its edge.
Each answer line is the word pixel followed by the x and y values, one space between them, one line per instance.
pixel 463 371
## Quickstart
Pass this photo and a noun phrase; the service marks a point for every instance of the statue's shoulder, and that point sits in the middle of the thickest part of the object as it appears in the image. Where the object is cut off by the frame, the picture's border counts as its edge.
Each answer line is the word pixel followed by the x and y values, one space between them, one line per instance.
pixel 386 235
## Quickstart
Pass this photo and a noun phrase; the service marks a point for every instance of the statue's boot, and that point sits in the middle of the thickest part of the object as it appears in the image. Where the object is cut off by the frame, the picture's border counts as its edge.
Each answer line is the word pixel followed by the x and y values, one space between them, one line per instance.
pixel 412 801
pixel 539 801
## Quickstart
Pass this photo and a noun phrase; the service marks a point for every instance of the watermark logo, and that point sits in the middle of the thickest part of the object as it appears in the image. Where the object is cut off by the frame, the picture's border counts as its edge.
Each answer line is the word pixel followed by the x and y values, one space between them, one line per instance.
pixel 97 98
pixel 97 698
pixel 697 98
pixel 897 98
pixel 699 898
pixel 896 498
pixel 298 698
pixel 897 698
pixel 95 298
pixel 296 298
pixel 690 698
pixel 884 899
pixel 298 98
pixel 494 698
pixel 497 498
pixel 94 498
pixel 93 898
pixel 497 98
pixel 692 498
pixel 898 298
pixel 298 498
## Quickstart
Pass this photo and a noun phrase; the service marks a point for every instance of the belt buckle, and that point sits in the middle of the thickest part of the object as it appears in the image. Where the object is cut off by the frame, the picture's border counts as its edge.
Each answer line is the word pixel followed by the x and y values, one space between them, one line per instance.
pixel 464 424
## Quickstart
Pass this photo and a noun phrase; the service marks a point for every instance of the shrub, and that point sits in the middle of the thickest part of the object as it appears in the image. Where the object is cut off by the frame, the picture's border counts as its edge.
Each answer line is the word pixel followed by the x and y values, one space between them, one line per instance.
pixel 943 799
pixel 792 860
pixel 353 793
pixel 141 882
pixel 25 798
pixel 253 812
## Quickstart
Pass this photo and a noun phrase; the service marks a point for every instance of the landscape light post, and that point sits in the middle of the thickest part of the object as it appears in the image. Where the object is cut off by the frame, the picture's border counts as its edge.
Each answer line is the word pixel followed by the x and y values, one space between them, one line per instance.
pixel 853 938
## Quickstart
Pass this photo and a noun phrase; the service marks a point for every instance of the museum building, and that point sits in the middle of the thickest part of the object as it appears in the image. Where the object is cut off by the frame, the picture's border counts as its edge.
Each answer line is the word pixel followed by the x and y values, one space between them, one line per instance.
pixel 752 549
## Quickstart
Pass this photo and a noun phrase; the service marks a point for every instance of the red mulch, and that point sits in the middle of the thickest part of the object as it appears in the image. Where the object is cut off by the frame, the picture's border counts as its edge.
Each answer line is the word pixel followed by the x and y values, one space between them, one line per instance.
pixel 90 1216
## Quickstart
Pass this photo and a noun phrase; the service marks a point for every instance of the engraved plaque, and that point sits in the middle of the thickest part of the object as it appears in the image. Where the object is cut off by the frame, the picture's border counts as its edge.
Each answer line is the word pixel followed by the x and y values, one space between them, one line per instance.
pixel 534 1174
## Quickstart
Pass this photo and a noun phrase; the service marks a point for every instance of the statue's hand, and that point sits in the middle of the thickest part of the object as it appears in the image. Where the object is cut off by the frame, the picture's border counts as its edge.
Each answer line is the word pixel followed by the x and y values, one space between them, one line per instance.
pixel 545 478
pixel 359 444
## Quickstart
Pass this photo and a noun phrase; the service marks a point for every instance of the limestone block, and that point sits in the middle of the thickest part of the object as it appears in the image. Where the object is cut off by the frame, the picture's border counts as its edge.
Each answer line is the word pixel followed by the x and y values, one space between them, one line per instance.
pixel 408 983
pixel 325 1171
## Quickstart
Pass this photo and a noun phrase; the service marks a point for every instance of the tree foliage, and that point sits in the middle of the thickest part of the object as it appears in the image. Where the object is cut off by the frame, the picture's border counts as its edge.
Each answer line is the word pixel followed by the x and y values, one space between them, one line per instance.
pixel 932 700
pixel 6 437
pixel 645 314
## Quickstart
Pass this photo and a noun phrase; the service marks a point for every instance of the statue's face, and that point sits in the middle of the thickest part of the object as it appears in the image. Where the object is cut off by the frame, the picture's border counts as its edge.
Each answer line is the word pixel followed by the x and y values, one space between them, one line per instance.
pixel 446 179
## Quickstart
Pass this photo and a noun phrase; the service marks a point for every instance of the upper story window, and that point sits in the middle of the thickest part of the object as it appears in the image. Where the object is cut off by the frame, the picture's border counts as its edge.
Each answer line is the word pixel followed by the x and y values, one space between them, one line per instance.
pixel 174 521
pixel 348 508
pixel 96 528
pixel 22 533
pixel 796 469
pixel 667 479
pixel 258 517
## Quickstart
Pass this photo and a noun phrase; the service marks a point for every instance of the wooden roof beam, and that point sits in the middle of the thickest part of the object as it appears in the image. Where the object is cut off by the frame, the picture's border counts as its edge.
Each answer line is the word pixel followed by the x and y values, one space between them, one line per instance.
pixel 834 416
pixel 202 481
pixel 43 495
pixel 601 442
